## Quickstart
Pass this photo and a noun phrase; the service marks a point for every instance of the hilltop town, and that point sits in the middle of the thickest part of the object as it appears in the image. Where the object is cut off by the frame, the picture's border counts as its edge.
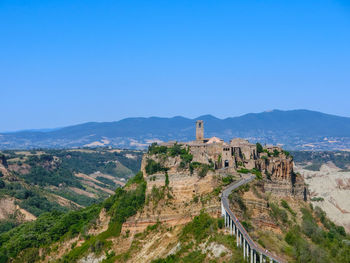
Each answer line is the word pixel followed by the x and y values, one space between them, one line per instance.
pixel 274 164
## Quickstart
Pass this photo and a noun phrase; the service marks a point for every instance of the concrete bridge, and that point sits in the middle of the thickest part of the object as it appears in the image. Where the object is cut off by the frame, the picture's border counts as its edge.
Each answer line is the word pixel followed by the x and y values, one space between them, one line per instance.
pixel 251 252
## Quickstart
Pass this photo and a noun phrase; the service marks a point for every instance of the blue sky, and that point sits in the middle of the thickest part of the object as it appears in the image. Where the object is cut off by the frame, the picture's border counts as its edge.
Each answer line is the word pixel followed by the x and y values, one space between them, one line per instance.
pixel 68 62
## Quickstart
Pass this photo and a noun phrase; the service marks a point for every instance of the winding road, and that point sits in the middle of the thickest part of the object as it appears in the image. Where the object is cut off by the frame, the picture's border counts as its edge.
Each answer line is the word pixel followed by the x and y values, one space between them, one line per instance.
pixel 250 249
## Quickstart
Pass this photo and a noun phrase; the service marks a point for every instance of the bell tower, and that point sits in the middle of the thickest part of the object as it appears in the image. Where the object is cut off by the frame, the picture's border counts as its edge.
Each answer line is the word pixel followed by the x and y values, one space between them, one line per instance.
pixel 199 130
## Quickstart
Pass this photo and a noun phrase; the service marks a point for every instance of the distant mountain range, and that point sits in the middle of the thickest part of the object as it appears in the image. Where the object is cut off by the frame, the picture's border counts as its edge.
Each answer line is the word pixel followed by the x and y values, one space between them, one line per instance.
pixel 295 130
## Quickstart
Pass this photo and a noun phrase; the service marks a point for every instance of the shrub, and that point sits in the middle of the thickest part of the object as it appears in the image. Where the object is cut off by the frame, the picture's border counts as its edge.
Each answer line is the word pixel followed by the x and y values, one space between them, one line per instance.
pixel 244 171
pixel 278 213
pixel 259 148
pixel 217 191
pixel 199 228
pixel 227 179
pixel 182 165
pixel 203 168
pixel 152 167
pixel 203 171
pixel 157 194
pixel 155 149
pixel 176 150
pixel 247 225
pixel 186 157
pixel 221 222
pixel 166 179
pixel 317 199
pixel 257 173
pixel 137 179
pixel 286 206
pixel 253 171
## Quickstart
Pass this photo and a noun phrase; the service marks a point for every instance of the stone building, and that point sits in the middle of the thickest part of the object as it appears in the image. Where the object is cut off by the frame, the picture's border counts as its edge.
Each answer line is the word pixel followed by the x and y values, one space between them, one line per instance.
pixel 237 152
pixel 275 164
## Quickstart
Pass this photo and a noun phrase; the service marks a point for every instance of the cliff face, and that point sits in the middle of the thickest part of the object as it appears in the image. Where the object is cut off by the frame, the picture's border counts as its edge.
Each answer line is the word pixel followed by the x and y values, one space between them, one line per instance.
pixel 281 179
pixel 175 196
pixel 177 203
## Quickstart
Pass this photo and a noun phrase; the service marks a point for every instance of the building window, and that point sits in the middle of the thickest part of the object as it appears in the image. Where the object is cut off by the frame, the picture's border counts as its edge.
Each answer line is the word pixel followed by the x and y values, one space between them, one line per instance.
pixel 226 163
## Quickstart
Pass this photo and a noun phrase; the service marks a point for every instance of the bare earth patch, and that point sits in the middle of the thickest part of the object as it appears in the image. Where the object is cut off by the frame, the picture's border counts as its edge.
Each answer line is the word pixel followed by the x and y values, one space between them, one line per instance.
pixel 82 192
pixel 334 187
pixel 8 208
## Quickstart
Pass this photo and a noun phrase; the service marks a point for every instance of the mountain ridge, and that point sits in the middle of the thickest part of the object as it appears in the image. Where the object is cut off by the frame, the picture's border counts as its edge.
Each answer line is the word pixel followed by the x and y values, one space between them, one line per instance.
pixel 293 128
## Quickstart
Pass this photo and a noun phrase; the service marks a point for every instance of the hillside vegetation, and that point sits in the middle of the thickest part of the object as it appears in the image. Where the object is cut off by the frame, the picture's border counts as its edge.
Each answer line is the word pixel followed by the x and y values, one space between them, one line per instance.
pixel 296 230
pixel 42 181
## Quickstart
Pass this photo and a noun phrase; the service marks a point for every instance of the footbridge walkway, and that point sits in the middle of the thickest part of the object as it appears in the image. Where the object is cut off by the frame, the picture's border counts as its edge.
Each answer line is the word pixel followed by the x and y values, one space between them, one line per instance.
pixel 251 251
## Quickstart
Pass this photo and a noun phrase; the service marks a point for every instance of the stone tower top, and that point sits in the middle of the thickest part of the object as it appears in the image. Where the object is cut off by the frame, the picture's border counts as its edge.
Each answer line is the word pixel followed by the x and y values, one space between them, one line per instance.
pixel 199 130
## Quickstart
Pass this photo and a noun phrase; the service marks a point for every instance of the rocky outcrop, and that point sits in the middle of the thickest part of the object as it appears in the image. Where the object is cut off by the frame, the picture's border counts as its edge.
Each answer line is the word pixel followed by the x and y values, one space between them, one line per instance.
pixel 280 177
pixel 183 199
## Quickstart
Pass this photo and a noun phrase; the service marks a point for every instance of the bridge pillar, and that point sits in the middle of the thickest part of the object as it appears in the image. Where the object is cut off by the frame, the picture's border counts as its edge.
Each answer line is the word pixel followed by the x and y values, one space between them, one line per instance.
pixel 255 256
pixel 248 247
pixel 231 227
pixel 261 258
pixel 244 248
pixel 251 255
pixel 225 218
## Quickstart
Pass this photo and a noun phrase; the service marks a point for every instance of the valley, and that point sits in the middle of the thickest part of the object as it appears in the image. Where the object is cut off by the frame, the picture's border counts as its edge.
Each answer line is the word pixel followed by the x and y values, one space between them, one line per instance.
pixel 39 181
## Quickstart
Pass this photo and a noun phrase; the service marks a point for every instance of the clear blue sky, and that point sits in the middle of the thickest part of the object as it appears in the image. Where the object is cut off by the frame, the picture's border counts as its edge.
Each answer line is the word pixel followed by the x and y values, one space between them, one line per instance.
pixel 68 62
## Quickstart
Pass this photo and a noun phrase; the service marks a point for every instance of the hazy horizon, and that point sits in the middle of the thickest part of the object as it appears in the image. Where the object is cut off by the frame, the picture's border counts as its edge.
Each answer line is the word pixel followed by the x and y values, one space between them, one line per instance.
pixel 195 117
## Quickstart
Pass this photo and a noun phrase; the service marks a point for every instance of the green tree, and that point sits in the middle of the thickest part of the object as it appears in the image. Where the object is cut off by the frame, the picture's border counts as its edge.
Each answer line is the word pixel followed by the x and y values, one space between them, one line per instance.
pixel 259 148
